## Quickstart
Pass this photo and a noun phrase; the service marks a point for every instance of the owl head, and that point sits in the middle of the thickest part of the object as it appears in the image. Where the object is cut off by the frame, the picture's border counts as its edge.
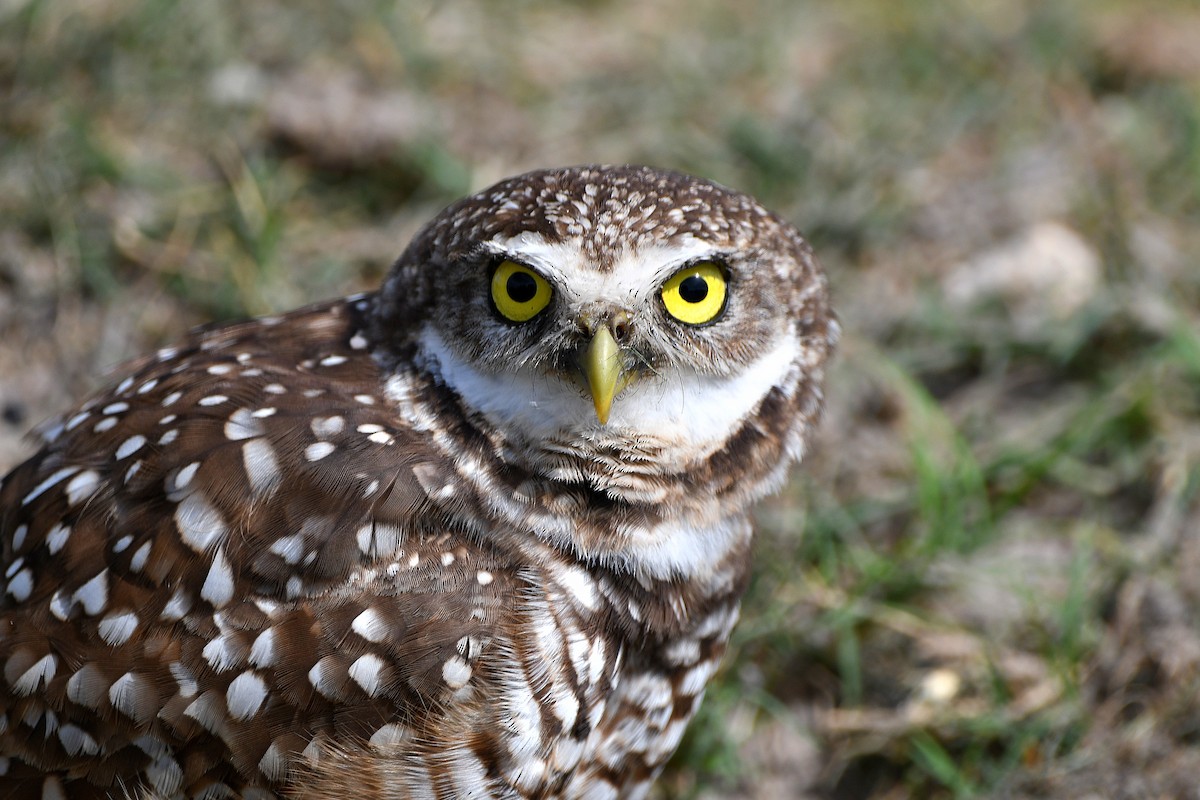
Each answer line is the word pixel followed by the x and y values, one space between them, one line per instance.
pixel 616 321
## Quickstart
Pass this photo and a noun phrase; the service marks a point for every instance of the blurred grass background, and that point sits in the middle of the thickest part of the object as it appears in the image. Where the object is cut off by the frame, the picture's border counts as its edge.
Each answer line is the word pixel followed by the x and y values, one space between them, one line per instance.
pixel 985 581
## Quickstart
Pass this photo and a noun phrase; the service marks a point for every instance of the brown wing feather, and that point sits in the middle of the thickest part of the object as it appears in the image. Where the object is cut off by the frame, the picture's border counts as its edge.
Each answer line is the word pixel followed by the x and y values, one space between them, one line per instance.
pixel 228 557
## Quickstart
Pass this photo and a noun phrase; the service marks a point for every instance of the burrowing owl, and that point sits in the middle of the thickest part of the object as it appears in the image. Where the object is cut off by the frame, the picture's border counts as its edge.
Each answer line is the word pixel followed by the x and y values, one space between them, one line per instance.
pixel 480 534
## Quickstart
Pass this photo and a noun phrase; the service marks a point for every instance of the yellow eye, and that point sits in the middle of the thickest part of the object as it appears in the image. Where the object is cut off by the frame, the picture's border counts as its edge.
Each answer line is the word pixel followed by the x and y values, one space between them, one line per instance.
pixel 518 292
pixel 696 294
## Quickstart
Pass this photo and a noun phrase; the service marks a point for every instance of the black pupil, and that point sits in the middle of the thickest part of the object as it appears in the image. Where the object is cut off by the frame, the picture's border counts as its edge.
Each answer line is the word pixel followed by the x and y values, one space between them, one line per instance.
pixel 693 289
pixel 521 287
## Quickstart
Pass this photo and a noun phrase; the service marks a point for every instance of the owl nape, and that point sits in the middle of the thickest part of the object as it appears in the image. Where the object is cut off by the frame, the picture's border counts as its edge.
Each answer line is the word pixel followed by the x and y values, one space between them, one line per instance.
pixel 479 534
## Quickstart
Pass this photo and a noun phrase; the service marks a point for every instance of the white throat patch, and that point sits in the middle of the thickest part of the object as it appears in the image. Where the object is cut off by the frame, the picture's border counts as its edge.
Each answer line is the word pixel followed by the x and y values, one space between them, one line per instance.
pixel 687 414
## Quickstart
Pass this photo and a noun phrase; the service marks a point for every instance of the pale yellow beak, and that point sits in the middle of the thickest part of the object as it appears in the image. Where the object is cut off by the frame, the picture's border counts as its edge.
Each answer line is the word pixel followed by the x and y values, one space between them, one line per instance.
pixel 602 367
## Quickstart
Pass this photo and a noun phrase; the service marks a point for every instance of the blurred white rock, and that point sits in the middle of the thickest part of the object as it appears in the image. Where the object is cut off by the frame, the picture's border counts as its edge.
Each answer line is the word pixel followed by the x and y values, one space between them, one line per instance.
pixel 1043 275
pixel 239 84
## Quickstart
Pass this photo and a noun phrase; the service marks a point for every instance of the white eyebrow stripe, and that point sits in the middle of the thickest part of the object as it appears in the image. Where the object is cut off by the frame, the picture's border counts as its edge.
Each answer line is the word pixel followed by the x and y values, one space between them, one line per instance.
pixel 634 278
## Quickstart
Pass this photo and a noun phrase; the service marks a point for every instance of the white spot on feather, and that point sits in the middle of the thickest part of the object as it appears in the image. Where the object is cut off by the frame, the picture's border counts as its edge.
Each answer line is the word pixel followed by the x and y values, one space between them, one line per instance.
pixel 262 467
pixel 467 773
pixel 694 679
pixel 77 420
pixel 184 476
pixel 57 477
pixel 456 672
pixel 370 625
pixel 117 627
pixel 223 653
pixel 245 695
pixel 42 670
pixel 262 652
pixel 242 425
pixel 389 736
pixel 82 486
pixel 93 595
pixel 289 548
pixel 579 584
pixel 321 678
pixel 368 672
pixel 207 711
pixel 165 775
pixel 21 587
pixel 177 607
pixel 318 450
pixel 218 585
pixel 324 427
pixel 76 740
pixel 125 693
pixel 200 525
pixel 130 446
pixel 184 679
pixel 273 764
pixel 138 559
pixel 87 686
pixel 60 605
pixel 56 538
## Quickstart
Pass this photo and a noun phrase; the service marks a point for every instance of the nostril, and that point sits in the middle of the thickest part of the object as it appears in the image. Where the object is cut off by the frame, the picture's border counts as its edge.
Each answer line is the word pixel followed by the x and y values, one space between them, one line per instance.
pixel 619 325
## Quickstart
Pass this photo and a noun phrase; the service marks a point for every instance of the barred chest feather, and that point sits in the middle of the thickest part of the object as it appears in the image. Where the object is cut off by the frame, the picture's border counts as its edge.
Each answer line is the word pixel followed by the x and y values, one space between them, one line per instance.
pixel 561 707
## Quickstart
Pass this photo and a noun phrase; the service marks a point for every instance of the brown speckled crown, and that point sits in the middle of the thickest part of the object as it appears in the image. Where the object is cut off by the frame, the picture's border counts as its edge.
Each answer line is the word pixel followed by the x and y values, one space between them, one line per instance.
pixel 607 208
pixel 288 557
